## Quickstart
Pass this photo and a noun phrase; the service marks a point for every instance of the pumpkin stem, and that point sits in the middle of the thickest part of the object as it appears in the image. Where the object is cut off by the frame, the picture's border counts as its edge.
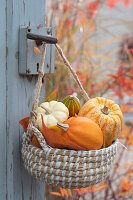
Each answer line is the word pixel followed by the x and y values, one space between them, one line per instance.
pixel 48 112
pixel 64 127
pixel 105 110
pixel 71 97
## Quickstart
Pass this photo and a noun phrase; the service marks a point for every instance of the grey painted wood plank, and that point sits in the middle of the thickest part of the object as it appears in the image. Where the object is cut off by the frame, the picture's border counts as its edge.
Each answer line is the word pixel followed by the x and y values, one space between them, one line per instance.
pixel 2 100
pixel 20 95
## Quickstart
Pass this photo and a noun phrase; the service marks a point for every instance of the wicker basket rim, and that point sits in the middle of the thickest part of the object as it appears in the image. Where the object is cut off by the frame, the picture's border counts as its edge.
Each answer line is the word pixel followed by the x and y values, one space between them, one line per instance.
pixel 76 151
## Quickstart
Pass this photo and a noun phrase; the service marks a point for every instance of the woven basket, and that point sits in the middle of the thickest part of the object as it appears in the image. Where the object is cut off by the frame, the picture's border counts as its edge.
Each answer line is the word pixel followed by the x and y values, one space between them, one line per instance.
pixel 67 168
pixel 64 168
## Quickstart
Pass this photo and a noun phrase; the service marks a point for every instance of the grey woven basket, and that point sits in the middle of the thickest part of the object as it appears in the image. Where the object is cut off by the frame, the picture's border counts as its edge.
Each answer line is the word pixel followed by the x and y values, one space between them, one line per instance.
pixel 67 168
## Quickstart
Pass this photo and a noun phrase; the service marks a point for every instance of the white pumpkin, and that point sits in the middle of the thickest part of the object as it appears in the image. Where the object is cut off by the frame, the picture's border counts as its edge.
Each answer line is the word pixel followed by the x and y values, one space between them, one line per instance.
pixel 52 113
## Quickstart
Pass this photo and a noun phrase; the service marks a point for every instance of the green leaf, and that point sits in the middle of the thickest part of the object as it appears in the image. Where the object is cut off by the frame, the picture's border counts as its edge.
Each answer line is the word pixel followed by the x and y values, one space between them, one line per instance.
pixel 53 96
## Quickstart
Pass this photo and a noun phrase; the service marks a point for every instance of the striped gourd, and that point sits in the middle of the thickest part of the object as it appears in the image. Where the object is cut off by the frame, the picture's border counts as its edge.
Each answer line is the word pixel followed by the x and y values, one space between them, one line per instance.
pixel 73 104
pixel 107 115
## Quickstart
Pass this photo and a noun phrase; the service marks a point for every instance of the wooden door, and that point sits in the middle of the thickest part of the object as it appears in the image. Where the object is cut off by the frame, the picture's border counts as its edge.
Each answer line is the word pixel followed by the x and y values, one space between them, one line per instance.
pixel 16 98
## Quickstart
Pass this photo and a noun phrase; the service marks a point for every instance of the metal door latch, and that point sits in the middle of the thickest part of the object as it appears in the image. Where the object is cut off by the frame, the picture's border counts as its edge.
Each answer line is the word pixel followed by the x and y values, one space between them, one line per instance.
pixel 29 37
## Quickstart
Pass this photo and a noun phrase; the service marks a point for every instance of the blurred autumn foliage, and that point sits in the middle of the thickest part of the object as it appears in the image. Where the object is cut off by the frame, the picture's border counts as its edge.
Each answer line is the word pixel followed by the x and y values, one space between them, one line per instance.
pixel 76 27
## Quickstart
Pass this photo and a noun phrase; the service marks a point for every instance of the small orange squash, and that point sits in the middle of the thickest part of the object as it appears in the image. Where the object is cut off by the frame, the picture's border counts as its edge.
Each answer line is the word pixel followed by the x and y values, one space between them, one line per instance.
pixel 57 139
pixel 107 115
pixel 82 131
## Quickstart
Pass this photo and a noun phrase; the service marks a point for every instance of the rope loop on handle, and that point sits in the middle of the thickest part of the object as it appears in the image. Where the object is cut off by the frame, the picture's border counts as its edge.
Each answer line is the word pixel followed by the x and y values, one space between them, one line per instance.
pixel 32 113
pixel 41 73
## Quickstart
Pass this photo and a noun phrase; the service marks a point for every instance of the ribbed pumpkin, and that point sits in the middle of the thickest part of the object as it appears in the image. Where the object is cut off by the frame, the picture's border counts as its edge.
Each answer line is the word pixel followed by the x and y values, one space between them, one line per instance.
pixel 81 131
pixel 107 115
pixel 52 112
pixel 73 104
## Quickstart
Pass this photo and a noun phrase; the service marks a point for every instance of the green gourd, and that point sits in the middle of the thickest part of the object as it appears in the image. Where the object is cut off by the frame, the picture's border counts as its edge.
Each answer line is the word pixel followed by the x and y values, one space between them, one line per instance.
pixel 73 105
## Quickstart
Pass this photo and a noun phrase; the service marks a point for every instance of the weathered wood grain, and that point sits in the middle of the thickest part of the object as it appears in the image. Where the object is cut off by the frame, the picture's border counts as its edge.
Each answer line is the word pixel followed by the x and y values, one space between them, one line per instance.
pixel 2 99
pixel 20 96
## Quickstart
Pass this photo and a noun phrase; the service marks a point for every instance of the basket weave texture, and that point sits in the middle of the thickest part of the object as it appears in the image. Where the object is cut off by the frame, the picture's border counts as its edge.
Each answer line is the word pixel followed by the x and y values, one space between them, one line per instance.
pixel 59 167
pixel 67 168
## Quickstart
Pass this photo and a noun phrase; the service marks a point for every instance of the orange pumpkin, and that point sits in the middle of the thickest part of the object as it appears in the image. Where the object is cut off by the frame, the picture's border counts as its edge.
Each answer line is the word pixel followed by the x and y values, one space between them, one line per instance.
pixel 58 139
pixel 82 131
pixel 107 115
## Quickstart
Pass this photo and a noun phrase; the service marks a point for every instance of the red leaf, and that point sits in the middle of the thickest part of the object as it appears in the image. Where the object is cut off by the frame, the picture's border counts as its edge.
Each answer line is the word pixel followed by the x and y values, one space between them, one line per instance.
pixel 67 6
pixel 39 26
pixel 112 76
pixel 92 8
pixel 127 3
pixel 69 22
pixel 24 122
pixel 120 71
pixel 123 80
pixel 131 50
pixel 80 76
pixel 112 3
pixel 126 185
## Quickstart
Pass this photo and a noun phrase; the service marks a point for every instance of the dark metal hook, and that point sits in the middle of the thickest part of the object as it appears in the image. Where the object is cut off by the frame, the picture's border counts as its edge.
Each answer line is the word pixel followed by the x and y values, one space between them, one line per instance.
pixel 40 38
